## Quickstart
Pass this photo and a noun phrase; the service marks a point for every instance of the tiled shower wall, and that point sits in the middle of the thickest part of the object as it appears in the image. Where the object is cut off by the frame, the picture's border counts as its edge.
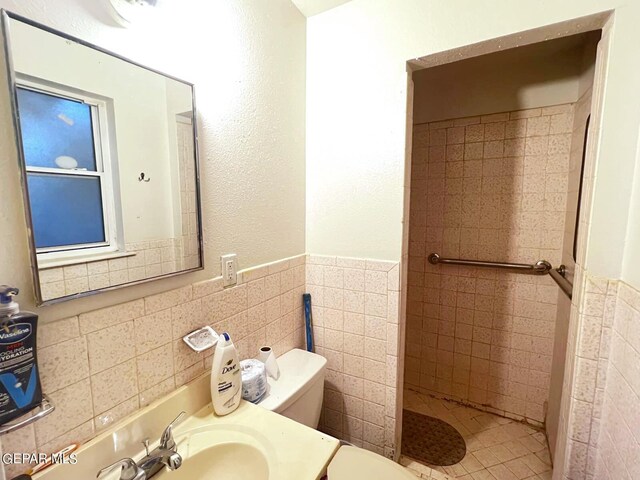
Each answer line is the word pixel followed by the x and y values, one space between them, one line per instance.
pixel 100 366
pixel 355 308
pixel 488 188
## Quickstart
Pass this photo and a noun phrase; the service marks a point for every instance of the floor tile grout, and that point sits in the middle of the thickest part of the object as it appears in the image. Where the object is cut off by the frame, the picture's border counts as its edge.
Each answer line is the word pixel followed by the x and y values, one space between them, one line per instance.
pixel 497 448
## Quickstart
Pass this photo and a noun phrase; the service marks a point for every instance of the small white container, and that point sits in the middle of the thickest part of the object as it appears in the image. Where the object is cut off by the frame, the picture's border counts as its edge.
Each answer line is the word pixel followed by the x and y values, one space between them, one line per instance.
pixel 266 356
pixel 226 378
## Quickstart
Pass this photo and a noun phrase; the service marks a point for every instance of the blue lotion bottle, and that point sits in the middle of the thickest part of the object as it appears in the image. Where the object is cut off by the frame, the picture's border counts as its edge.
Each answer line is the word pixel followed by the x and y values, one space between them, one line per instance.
pixel 20 389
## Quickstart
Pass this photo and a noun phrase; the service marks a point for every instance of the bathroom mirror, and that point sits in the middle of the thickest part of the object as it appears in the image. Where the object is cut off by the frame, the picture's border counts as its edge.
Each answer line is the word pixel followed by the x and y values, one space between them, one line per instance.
pixel 109 164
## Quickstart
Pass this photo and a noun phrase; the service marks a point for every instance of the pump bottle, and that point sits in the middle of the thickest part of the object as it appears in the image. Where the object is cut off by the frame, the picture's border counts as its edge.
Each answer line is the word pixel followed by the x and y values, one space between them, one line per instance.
pixel 20 389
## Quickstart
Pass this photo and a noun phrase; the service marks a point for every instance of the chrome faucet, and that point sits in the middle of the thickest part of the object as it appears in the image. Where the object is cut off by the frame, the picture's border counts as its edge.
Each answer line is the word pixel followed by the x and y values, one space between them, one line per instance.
pixel 130 470
pixel 165 455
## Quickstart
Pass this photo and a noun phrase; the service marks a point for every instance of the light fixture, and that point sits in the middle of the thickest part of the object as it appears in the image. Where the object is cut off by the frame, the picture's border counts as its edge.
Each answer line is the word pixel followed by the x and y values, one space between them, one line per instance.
pixel 66 162
pixel 126 12
pixel 65 119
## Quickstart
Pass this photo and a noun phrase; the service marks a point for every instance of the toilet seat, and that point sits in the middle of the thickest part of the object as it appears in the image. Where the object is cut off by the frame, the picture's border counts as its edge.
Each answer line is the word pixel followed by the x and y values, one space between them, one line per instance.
pixel 353 463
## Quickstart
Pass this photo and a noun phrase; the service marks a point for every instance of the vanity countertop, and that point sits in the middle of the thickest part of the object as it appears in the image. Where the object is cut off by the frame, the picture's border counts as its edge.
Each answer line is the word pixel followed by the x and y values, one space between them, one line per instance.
pixel 292 450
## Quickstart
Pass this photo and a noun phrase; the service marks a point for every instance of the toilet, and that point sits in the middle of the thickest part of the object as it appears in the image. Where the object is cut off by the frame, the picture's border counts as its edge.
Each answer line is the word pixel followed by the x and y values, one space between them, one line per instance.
pixel 297 394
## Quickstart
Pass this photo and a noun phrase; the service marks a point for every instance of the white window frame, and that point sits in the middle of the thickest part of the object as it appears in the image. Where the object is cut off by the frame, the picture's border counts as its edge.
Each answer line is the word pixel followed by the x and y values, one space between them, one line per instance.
pixel 113 243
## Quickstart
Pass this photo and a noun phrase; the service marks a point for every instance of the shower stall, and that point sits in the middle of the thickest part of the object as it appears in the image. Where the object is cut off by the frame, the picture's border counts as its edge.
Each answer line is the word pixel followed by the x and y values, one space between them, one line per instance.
pixel 496 167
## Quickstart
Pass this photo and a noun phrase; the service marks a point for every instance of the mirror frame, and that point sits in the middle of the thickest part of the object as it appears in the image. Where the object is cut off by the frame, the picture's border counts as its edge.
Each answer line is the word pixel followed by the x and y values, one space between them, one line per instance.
pixel 11 80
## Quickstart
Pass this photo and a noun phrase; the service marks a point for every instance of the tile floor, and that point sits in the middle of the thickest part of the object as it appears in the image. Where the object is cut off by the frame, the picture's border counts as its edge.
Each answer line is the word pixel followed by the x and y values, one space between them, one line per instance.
pixel 497 448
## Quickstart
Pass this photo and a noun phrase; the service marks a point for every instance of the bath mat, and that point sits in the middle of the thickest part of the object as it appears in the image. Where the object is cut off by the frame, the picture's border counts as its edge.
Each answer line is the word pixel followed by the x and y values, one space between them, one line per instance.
pixel 431 440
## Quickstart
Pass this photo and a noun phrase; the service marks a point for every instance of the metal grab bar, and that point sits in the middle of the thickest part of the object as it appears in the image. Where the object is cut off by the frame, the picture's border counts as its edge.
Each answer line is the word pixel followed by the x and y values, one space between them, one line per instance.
pixel 565 285
pixel 541 267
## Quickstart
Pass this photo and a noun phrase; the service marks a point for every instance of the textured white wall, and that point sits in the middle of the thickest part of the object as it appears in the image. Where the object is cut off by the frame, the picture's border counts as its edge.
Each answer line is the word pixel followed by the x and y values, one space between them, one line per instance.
pixel 247 60
pixel 356 110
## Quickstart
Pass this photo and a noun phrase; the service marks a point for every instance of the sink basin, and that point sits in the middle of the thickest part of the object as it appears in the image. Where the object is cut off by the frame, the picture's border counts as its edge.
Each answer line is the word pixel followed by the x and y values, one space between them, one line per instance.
pixel 230 452
pixel 251 443
pixel 228 461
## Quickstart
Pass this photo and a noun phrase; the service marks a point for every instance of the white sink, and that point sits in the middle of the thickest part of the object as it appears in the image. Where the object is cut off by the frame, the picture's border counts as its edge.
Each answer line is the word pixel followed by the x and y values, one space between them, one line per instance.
pixel 227 461
pixel 229 452
pixel 249 444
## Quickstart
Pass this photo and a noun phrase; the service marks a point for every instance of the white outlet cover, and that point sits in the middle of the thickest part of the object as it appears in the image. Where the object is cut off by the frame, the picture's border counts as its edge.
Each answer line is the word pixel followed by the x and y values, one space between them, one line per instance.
pixel 229 275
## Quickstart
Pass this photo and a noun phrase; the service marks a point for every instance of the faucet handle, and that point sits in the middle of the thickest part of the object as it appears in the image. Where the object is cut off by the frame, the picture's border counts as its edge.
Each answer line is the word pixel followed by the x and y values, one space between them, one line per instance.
pixel 166 440
pixel 174 461
pixel 130 470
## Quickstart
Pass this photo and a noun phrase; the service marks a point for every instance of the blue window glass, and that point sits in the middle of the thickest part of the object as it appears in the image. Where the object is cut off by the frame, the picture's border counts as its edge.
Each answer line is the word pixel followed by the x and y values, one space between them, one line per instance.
pixel 54 127
pixel 65 209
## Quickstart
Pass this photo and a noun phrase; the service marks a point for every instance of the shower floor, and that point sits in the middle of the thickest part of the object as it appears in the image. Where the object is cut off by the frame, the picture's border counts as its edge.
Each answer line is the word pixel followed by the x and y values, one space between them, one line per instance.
pixel 497 448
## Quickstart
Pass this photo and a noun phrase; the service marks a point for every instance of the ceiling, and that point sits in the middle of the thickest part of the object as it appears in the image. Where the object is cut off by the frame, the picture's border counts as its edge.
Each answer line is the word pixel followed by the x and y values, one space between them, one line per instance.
pixel 313 7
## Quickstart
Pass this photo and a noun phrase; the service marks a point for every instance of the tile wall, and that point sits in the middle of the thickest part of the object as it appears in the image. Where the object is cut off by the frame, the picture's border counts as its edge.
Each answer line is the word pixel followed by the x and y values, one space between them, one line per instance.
pixel 188 255
pixel 599 437
pixel 604 419
pixel 355 312
pixel 603 425
pixel 488 188
pixel 144 260
pixel 592 311
pixel 618 445
pixel 100 366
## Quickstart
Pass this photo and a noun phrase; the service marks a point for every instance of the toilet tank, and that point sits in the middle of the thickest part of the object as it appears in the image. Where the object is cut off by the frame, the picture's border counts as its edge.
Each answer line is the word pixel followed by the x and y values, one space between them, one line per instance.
pixel 297 394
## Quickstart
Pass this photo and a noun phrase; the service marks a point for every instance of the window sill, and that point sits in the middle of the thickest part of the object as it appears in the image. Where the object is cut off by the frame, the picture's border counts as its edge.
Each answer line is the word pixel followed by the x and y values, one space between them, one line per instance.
pixel 46 264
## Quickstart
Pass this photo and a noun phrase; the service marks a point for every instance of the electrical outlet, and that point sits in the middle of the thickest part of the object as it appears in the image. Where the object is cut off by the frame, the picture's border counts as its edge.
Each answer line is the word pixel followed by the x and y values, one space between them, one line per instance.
pixel 229 269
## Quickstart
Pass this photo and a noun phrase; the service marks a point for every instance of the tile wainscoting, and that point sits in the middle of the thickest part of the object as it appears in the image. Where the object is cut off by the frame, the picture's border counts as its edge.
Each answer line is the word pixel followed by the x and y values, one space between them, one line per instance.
pixel 137 346
pixel 618 452
pixel 101 366
pixel 356 313
pixel 98 367
pixel 144 260
pixel 603 425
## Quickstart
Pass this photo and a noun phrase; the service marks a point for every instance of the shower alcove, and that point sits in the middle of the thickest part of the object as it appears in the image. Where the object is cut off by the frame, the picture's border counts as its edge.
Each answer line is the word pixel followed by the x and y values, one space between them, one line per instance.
pixel 495 175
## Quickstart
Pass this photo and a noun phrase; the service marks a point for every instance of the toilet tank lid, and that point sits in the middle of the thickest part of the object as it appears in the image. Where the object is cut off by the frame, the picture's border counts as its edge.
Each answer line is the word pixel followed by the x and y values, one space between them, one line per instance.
pixel 299 370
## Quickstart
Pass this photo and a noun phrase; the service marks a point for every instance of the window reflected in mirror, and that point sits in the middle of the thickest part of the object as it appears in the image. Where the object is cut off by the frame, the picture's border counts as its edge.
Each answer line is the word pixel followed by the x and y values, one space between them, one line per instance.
pixel 67 194
pixel 109 163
